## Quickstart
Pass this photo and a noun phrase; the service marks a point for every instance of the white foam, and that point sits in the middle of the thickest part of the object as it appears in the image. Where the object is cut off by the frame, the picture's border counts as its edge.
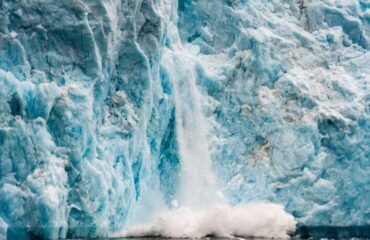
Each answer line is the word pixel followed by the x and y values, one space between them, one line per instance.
pixel 264 220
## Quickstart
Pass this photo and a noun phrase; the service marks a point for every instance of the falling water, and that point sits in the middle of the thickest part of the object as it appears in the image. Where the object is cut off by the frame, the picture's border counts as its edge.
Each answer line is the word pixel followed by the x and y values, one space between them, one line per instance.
pixel 198 184
pixel 197 180
pixel 201 209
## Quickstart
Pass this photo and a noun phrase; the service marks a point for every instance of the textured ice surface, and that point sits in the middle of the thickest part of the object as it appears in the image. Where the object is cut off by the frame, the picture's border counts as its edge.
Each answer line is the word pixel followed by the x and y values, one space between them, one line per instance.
pixel 110 109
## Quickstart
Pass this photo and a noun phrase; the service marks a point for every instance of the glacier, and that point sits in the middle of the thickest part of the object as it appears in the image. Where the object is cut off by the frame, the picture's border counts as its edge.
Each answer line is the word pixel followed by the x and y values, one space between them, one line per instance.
pixel 112 112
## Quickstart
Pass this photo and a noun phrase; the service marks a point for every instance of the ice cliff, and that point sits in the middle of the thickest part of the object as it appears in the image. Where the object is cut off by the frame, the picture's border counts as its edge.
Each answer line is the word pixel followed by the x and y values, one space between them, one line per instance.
pixel 114 111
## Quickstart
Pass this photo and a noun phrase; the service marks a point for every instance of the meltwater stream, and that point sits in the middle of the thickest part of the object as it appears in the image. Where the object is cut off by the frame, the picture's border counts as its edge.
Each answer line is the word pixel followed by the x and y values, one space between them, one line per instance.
pixel 199 208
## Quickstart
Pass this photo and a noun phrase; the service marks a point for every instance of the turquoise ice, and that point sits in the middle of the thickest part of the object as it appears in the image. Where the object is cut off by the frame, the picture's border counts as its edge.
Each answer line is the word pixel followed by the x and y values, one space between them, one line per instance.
pixel 112 111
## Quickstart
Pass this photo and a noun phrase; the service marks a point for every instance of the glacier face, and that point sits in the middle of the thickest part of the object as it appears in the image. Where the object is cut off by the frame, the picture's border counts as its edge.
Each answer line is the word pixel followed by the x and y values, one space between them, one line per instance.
pixel 114 110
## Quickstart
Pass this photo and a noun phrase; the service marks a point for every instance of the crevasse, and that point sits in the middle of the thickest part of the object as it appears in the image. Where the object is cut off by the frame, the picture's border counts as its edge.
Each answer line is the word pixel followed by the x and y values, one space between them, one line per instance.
pixel 112 112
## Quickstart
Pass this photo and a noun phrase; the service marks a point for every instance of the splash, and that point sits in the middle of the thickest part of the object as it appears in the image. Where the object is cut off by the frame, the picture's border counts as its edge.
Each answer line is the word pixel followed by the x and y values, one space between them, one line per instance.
pixel 264 220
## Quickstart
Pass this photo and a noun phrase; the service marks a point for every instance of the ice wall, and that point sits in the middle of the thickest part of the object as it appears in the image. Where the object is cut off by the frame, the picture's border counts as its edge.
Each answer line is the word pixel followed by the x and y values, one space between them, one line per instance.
pixel 287 87
pixel 83 115
pixel 92 94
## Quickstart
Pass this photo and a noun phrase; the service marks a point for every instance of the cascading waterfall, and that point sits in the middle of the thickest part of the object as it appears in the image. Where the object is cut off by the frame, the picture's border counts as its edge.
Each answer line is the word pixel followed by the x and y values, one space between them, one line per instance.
pixel 198 183
pixel 200 209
